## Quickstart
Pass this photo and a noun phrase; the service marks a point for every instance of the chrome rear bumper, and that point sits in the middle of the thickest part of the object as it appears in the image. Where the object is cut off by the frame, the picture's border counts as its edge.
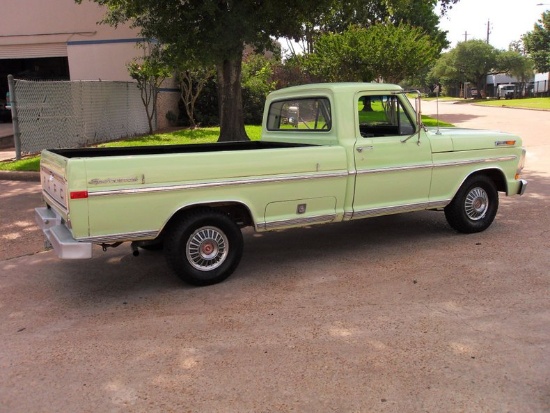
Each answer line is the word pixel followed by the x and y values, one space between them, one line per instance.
pixel 59 237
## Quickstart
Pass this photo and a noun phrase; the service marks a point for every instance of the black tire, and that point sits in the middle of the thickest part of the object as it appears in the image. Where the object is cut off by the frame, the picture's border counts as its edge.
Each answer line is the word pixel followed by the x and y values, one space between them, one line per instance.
pixel 204 247
pixel 474 206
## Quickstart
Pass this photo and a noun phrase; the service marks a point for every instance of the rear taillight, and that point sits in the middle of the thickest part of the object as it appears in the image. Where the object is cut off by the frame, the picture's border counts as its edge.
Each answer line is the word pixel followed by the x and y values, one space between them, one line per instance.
pixel 79 194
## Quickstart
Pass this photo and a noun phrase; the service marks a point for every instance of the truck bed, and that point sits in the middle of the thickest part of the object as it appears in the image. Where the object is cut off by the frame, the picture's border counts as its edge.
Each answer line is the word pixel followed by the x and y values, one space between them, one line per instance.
pixel 170 149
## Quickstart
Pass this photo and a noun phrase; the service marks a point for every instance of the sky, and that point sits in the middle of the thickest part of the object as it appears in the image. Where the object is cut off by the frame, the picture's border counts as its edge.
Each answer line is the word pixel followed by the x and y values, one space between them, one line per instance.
pixel 509 20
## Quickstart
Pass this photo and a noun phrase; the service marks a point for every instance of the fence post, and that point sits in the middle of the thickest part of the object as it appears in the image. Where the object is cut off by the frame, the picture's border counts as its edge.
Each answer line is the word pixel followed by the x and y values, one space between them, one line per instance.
pixel 14 117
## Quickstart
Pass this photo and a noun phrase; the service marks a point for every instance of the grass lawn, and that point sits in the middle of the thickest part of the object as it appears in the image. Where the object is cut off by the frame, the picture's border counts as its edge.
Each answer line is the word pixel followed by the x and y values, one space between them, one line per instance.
pixel 529 103
pixel 429 122
pixel 29 164
pixel 180 137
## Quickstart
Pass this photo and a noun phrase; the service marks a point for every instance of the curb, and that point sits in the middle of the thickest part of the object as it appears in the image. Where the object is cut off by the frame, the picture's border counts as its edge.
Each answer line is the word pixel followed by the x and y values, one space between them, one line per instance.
pixel 509 107
pixel 20 176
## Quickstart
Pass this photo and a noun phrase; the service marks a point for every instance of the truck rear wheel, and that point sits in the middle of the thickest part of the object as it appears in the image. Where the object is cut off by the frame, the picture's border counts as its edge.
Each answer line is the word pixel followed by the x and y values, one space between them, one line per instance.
pixel 204 247
pixel 474 206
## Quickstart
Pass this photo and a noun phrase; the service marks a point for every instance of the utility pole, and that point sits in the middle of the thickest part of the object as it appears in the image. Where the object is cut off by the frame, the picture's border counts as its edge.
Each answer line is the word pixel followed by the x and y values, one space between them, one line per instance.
pixel 466 36
pixel 488 29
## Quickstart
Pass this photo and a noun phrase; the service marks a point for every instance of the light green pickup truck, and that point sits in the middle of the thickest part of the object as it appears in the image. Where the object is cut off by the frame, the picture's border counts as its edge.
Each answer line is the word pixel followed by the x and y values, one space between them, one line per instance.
pixel 328 153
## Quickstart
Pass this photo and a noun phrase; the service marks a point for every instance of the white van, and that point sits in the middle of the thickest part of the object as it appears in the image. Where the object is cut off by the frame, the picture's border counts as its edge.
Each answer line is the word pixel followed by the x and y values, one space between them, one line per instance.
pixel 506 91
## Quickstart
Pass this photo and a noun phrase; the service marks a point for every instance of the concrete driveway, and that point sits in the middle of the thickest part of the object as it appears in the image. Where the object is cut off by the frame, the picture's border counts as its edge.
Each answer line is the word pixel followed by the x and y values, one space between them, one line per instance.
pixel 391 314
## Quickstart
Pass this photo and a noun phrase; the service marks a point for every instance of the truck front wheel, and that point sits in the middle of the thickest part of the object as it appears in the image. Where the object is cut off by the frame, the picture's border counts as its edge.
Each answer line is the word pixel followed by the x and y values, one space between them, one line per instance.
pixel 474 206
pixel 204 247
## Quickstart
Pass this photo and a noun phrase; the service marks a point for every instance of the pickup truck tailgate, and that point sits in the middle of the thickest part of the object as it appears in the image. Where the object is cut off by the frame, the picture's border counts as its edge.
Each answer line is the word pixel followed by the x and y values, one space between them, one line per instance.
pixel 52 177
pixel 54 218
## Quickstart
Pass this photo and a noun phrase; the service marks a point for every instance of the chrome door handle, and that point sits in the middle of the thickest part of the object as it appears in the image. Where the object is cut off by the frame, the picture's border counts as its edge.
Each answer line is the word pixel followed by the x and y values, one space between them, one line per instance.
pixel 361 148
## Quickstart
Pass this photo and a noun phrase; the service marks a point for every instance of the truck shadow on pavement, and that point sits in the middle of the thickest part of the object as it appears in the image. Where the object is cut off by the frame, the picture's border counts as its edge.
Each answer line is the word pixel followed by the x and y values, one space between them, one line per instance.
pixel 116 276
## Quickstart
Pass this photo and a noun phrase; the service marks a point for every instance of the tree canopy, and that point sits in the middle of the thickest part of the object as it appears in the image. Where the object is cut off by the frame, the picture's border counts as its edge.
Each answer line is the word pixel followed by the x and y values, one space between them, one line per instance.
pixel 469 61
pixel 360 54
pixel 537 43
pixel 515 64
pixel 473 60
pixel 342 14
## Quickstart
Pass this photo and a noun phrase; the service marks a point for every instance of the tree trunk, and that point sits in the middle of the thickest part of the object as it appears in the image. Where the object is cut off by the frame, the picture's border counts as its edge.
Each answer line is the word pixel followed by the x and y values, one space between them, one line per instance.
pixel 230 101
pixel 186 93
pixel 146 99
pixel 480 84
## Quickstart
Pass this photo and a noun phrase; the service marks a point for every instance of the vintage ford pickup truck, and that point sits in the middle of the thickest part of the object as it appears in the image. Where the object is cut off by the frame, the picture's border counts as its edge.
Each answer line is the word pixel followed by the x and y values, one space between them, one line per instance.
pixel 328 153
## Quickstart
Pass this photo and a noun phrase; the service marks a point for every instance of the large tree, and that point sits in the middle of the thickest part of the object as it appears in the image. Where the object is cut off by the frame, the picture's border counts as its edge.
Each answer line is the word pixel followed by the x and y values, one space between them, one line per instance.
pixel 215 32
pixel 360 54
pixel 469 61
pixel 445 73
pixel 537 43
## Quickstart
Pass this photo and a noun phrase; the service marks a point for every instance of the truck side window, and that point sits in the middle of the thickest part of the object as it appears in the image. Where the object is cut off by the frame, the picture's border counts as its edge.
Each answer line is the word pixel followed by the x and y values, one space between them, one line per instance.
pixel 383 116
pixel 301 115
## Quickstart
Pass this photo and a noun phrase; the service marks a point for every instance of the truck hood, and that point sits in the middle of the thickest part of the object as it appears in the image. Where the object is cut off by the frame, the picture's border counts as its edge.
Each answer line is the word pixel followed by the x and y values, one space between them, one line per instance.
pixel 460 139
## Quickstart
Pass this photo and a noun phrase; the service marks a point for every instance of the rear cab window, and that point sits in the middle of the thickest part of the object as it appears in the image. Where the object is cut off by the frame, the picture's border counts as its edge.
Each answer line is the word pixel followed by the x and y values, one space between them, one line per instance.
pixel 311 114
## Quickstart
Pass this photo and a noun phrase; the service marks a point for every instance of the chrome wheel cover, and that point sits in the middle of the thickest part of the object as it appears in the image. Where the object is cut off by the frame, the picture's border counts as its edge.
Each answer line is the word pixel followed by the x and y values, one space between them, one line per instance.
pixel 476 204
pixel 207 248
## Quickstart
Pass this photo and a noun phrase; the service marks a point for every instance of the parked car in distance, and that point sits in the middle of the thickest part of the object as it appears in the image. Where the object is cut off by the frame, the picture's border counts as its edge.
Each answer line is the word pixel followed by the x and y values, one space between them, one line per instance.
pixel 506 91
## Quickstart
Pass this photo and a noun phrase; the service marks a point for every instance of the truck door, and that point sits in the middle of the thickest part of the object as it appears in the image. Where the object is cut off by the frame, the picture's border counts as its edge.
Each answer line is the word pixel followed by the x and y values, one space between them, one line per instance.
pixel 393 162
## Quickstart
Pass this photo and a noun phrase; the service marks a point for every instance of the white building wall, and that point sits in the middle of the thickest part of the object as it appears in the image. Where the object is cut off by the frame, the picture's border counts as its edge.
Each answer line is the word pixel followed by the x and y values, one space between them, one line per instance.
pixel 500 78
pixel 542 83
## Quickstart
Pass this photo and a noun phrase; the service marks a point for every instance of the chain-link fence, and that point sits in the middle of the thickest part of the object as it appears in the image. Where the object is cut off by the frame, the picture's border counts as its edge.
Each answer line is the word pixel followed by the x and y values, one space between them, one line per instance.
pixel 72 114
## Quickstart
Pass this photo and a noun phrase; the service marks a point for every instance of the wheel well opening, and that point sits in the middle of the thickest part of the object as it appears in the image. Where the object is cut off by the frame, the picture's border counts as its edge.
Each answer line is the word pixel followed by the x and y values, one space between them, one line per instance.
pixel 496 176
pixel 238 213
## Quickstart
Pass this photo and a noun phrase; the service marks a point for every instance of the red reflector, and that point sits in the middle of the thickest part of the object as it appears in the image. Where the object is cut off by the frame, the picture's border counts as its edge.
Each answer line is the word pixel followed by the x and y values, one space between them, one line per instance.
pixel 79 194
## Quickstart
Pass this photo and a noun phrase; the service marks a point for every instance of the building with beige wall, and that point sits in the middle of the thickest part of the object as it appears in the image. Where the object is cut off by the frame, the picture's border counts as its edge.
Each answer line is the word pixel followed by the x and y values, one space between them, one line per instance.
pixel 62 40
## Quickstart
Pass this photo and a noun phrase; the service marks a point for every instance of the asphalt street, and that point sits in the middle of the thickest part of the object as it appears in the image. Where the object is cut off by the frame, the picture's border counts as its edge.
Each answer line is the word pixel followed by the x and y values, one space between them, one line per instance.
pixel 390 314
